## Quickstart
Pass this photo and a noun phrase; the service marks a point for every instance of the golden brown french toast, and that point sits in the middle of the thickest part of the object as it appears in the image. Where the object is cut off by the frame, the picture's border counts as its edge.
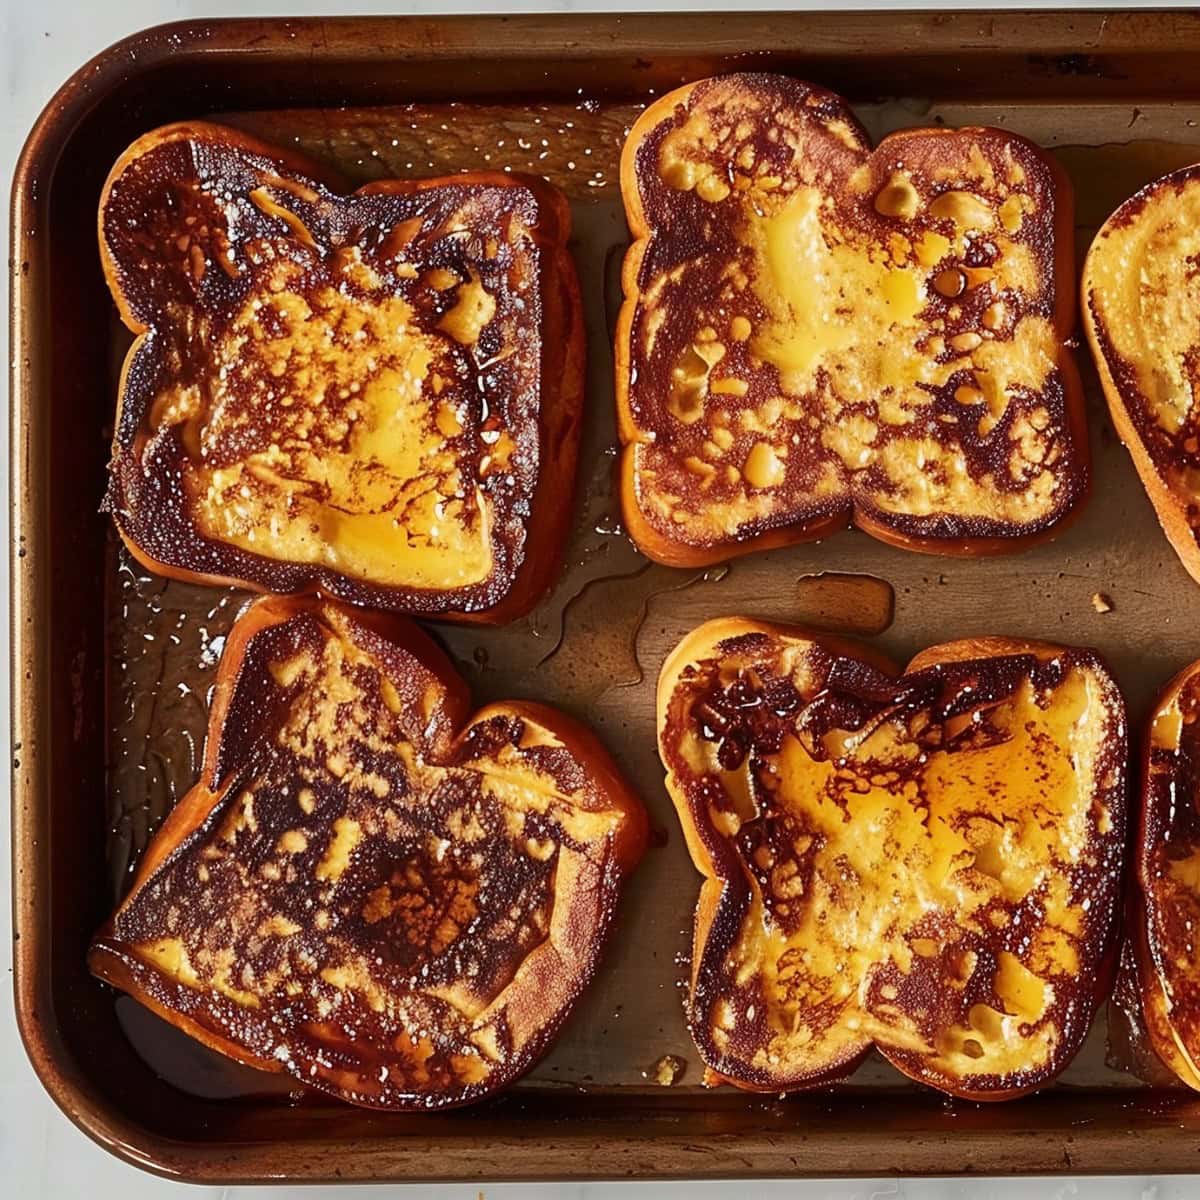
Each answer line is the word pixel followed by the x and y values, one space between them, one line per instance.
pixel 393 900
pixel 1141 308
pixel 926 862
pixel 375 395
pixel 816 333
pixel 1166 899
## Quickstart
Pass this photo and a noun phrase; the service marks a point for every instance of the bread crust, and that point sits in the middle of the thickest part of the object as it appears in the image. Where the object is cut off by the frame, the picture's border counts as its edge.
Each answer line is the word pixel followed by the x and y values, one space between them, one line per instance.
pixel 253 970
pixel 529 521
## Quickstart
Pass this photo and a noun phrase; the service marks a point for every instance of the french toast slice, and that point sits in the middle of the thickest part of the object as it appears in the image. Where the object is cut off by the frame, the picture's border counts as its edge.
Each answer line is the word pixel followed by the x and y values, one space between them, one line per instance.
pixel 375 395
pixel 926 862
pixel 1141 305
pixel 816 333
pixel 1166 895
pixel 393 900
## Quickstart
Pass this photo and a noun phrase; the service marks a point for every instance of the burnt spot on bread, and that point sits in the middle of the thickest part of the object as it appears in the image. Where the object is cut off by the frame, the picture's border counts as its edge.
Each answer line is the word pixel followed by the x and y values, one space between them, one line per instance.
pixel 927 863
pixel 344 391
pixel 818 330
pixel 394 909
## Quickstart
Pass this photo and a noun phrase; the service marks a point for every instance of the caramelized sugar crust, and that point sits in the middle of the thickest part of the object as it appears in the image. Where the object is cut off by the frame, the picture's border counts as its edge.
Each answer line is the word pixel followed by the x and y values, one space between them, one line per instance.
pixel 1141 306
pixel 377 395
pixel 393 901
pixel 927 862
pixel 1167 896
pixel 815 332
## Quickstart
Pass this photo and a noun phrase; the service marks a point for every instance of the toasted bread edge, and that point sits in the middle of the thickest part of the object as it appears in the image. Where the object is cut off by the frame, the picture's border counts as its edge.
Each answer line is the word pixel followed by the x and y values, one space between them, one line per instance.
pixel 962 650
pixel 649 540
pixel 664 549
pixel 109 960
pixel 717 889
pixel 1155 1006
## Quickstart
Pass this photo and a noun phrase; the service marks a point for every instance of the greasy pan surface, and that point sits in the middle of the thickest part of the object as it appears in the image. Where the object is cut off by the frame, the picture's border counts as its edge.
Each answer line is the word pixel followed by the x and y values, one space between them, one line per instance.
pixel 122 686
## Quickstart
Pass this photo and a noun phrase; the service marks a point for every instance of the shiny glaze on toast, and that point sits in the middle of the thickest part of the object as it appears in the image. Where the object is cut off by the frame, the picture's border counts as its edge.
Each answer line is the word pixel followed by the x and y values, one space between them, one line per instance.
pixel 1166 893
pixel 1141 308
pixel 817 333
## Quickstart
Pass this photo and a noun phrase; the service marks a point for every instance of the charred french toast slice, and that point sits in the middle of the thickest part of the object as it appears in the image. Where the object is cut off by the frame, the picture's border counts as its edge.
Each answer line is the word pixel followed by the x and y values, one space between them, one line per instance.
pixel 1167 884
pixel 393 900
pixel 817 333
pixel 375 395
pixel 1141 308
pixel 926 862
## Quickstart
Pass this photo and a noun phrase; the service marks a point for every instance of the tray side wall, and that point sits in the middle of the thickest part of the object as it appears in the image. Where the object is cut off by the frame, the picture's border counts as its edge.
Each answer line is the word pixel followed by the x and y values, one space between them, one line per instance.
pixel 59 424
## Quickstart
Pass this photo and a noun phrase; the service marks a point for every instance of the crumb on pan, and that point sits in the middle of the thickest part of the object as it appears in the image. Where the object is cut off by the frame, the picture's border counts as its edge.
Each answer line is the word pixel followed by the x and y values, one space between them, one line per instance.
pixel 667 1070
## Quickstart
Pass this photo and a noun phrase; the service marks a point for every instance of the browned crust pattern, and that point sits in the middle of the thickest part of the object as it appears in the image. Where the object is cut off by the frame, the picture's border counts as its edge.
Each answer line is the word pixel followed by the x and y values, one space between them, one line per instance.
pixel 1165 898
pixel 1155 453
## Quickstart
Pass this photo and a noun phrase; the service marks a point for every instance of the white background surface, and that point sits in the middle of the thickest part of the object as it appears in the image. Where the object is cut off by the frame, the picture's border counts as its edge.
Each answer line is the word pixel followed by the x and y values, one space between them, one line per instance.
pixel 41 1154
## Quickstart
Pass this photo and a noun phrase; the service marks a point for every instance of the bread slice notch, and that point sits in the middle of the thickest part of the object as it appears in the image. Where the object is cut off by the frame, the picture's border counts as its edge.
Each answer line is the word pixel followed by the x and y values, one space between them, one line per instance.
pixel 928 862
pixel 376 395
pixel 1141 306
pixel 1166 894
pixel 817 333
pixel 394 900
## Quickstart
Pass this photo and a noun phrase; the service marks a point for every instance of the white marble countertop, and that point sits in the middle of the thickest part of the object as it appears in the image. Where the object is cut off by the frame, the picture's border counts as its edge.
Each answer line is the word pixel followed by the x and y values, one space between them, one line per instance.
pixel 41 1154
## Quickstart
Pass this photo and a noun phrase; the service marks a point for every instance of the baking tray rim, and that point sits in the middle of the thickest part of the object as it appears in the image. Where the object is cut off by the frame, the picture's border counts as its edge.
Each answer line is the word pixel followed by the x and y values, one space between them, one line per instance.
pixel 578 1154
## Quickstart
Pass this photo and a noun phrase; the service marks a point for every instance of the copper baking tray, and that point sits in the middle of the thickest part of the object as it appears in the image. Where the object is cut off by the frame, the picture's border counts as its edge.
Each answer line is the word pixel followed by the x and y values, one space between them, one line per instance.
pixel 111 667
